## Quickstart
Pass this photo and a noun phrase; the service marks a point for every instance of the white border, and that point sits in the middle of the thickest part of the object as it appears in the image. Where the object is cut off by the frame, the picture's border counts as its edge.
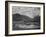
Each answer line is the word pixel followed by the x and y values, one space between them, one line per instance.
pixel 23 31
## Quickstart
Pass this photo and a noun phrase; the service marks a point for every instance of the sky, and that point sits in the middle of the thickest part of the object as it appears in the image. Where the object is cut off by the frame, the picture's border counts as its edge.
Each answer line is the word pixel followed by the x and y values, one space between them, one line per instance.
pixel 28 11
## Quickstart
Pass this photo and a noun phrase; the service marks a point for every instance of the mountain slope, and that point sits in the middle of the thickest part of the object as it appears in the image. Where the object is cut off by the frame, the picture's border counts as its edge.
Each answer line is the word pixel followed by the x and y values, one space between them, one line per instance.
pixel 21 21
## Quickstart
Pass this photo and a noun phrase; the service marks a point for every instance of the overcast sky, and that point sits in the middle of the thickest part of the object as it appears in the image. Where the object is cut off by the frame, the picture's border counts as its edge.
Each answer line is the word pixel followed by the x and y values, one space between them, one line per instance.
pixel 28 11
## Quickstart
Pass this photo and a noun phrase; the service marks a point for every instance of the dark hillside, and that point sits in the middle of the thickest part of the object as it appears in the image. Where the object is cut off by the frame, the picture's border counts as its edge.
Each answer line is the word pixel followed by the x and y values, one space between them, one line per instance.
pixel 21 21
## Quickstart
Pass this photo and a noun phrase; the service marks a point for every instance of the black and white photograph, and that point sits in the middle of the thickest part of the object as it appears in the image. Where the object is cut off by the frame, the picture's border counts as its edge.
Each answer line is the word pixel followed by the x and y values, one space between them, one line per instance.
pixel 24 18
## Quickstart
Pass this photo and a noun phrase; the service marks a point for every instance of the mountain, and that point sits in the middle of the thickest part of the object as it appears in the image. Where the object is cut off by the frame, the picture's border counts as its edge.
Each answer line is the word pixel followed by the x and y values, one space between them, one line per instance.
pixel 25 19
pixel 37 18
pixel 18 17
pixel 21 21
